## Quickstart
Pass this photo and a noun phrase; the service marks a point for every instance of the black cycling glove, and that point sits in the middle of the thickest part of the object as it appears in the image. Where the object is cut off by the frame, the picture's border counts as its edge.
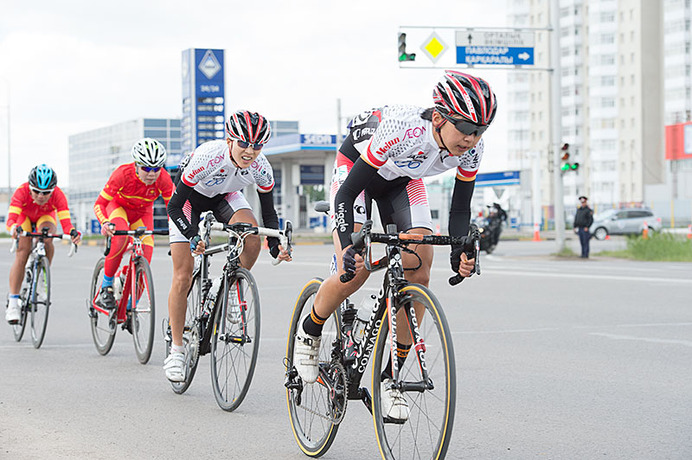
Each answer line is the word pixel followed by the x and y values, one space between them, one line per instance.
pixel 273 244
pixel 349 260
pixel 454 256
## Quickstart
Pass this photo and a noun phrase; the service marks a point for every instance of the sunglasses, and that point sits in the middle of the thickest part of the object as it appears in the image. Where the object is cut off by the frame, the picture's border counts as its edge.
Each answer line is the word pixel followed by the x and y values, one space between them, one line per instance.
pixel 41 192
pixel 244 145
pixel 150 168
pixel 465 127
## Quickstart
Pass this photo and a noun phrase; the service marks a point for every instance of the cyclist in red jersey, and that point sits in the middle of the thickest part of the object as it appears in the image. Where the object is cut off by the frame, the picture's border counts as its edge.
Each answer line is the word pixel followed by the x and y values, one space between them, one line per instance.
pixel 127 203
pixel 36 204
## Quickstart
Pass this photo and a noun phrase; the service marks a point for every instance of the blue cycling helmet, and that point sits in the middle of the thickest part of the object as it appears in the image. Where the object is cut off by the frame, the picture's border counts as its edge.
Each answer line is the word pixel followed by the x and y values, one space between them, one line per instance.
pixel 43 177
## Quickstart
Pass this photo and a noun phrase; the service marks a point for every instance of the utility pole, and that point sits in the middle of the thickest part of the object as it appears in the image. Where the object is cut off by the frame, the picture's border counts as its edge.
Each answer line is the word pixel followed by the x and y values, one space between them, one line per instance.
pixel 556 128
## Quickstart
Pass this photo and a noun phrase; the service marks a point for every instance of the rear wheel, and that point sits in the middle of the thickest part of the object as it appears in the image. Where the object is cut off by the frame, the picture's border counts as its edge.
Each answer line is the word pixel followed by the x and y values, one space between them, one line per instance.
pixel 102 325
pixel 191 336
pixel 41 306
pixel 142 313
pixel 310 407
pixel 235 341
pixel 426 433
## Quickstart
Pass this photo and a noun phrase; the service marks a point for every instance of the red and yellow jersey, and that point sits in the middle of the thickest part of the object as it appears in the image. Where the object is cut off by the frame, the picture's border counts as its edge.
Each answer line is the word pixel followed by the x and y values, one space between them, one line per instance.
pixel 127 190
pixel 23 204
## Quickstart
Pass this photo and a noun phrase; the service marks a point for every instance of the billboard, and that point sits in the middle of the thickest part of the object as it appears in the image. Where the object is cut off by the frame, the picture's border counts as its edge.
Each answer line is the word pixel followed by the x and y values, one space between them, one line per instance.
pixel 203 97
pixel 679 141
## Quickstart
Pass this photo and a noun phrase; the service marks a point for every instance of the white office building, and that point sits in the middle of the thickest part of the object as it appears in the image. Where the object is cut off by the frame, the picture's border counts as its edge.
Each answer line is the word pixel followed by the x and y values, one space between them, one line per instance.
pixel 612 93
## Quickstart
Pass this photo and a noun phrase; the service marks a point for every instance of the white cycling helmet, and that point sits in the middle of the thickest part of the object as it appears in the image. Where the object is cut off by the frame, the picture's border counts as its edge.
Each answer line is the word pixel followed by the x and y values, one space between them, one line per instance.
pixel 149 152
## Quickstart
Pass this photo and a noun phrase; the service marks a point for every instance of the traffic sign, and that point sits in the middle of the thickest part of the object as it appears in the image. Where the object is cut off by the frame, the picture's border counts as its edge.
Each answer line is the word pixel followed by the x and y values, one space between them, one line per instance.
pixel 449 47
pixel 496 47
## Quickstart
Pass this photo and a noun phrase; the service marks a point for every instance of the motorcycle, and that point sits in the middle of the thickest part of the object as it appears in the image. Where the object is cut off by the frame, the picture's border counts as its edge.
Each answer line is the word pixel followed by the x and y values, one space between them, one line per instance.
pixel 490 228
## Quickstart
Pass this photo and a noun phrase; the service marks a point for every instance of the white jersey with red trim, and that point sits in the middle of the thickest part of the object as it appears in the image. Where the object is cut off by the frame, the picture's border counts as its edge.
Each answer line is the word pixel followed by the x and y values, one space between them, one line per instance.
pixel 397 141
pixel 210 171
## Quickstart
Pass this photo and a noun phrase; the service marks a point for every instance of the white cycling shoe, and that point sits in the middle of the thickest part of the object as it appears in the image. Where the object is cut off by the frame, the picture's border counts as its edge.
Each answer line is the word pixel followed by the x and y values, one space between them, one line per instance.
pixel 305 355
pixel 394 404
pixel 174 366
pixel 13 313
pixel 233 307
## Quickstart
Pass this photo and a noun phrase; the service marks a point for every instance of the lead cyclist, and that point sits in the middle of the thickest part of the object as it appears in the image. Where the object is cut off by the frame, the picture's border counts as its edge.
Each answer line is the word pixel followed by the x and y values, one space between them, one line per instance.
pixel 385 156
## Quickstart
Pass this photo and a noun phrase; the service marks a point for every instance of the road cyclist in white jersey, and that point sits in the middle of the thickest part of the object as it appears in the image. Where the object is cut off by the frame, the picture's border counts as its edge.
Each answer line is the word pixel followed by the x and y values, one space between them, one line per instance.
pixel 211 179
pixel 385 156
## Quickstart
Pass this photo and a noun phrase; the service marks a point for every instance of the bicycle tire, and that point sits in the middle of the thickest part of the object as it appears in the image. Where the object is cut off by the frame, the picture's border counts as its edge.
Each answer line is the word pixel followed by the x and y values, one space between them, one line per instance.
pixel 19 328
pixel 41 306
pixel 191 336
pixel 143 311
pixel 233 358
pixel 101 330
pixel 313 433
pixel 427 432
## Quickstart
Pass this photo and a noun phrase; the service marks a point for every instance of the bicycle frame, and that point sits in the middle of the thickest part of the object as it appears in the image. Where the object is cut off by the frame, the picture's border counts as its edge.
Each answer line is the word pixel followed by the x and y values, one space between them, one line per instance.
pixel 386 306
pixel 135 249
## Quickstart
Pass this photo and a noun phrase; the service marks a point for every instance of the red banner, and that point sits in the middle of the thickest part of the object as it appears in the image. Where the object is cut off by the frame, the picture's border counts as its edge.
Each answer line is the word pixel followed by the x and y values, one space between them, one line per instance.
pixel 679 141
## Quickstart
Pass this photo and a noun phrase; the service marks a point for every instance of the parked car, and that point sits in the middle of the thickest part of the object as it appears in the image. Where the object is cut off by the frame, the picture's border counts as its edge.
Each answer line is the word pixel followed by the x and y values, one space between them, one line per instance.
pixel 628 221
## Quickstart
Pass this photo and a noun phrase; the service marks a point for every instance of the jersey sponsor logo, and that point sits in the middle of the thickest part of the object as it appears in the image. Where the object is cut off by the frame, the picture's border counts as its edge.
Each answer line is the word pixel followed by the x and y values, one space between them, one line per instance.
pixel 216 179
pixel 244 172
pixel 195 172
pixel 388 145
pixel 340 217
pixel 216 160
pixel 416 132
pixel 358 133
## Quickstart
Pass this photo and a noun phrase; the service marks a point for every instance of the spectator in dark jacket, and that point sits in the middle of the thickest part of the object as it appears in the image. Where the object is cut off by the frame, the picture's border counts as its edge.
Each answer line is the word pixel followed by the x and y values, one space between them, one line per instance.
pixel 582 221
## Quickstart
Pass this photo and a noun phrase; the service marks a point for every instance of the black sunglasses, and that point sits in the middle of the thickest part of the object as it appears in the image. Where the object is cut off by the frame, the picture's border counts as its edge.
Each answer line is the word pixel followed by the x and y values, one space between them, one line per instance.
pixel 465 127
pixel 244 145
pixel 41 192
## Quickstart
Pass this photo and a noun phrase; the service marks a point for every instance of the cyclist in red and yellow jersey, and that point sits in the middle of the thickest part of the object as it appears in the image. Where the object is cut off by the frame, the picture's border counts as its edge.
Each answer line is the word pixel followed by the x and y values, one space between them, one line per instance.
pixel 36 204
pixel 127 202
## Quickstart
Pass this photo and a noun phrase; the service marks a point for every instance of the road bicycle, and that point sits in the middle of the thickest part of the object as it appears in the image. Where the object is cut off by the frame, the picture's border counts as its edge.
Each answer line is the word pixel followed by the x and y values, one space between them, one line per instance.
pixel 427 379
pixel 34 295
pixel 223 315
pixel 134 295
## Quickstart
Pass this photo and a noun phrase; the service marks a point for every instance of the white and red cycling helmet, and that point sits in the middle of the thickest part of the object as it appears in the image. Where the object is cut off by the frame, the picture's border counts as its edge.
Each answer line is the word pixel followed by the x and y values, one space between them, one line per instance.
pixel 461 94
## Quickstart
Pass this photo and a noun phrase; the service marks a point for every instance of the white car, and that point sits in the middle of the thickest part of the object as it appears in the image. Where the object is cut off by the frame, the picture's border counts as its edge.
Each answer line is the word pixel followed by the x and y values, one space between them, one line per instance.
pixel 629 221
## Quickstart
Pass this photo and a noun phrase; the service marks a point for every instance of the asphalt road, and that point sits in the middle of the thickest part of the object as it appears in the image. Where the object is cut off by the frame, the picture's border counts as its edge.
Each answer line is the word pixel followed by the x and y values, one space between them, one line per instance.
pixel 556 359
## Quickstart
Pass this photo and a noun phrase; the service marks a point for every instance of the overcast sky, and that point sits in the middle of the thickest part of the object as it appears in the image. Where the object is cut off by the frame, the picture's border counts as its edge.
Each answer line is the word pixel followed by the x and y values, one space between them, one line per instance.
pixel 72 65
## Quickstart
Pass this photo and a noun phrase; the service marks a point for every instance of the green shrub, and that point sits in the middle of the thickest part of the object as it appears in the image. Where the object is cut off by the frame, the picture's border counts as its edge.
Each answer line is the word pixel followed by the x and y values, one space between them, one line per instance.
pixel 660 246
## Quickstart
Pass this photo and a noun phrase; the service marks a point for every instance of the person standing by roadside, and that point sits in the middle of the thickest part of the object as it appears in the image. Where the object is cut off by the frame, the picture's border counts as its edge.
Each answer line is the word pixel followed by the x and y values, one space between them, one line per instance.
pixel 582 222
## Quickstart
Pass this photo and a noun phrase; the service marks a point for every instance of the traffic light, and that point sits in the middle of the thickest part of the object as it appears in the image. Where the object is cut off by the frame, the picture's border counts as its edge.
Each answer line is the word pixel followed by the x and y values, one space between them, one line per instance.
pixel 566 165
pixel 565 158
pixel 403 55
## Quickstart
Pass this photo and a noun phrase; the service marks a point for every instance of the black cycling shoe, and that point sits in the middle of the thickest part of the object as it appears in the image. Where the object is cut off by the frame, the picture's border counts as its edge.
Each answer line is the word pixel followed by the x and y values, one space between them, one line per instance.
pixel 106 299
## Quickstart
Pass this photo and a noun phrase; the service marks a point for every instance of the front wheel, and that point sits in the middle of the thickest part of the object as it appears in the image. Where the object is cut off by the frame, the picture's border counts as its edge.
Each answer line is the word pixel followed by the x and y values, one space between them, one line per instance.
pixel 40 302
pixel 427 431
pixel 142 311
pixel 313 415
pixel 18 329
pixel 600 233
pixel 102 327
pixel 235 341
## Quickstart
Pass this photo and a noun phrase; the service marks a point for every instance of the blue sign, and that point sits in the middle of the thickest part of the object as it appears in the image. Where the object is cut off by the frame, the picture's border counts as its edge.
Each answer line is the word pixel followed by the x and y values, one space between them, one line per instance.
pixel 495 55
pixel 318 139
pixel 497 178
pixel 95 227
pixel 203 97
